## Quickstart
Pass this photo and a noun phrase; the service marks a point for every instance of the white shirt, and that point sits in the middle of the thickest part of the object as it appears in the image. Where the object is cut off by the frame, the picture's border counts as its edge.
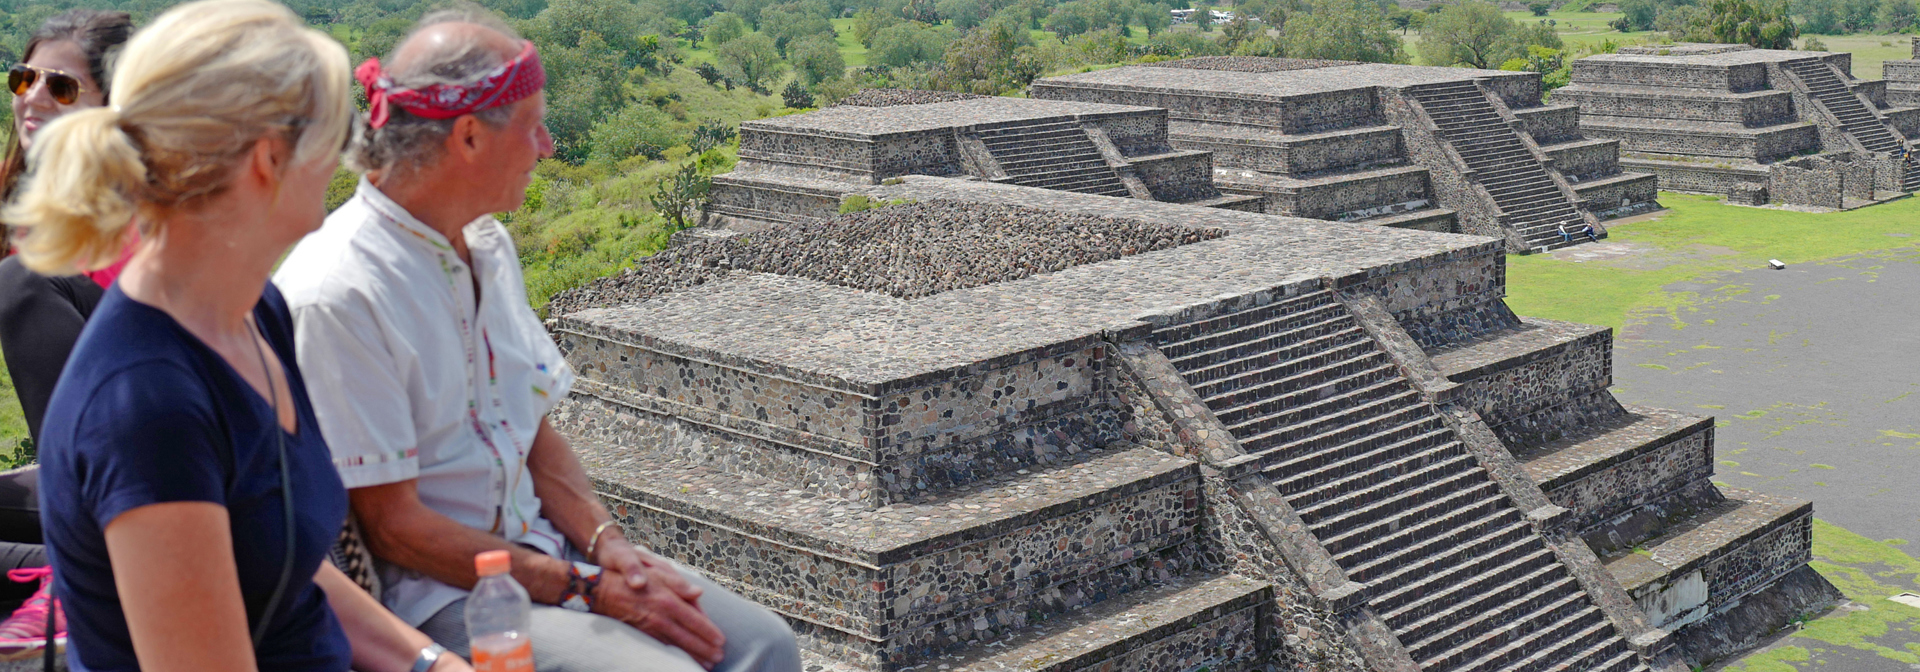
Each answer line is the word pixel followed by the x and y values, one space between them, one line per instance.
pixel 410 379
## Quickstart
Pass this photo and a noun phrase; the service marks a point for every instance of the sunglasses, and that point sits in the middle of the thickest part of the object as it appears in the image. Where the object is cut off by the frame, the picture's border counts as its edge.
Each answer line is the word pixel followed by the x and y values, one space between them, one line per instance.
pixel 65 87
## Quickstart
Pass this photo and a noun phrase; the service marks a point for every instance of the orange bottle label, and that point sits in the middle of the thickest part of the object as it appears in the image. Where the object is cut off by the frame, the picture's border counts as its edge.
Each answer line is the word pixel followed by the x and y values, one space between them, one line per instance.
pixel 516 659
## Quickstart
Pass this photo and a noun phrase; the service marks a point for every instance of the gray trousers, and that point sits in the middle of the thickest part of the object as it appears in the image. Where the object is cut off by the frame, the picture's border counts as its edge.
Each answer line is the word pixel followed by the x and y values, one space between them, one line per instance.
pixel 571 641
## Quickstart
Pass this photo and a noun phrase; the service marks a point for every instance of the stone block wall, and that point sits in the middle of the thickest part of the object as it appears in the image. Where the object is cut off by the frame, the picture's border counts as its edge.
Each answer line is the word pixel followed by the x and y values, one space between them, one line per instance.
pixel 1177 176
pixel 782 201
pixel 1546 379
pixel 1331 199
pixel 1729 78
pixel 1549 124
pixel 1292 114
pixel 1619 195
pixel 1906 120
pixel 1133 133
pixel 1596 494
pixel 1756 145
pixel 1586 160
pixel 1297 156
pixel 1698 177
pixel 864 443
pixel 1822 181
pixel 1759 108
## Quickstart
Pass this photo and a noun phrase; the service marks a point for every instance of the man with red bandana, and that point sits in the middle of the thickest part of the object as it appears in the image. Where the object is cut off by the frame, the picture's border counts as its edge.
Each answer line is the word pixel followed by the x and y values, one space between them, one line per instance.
pixel 432 379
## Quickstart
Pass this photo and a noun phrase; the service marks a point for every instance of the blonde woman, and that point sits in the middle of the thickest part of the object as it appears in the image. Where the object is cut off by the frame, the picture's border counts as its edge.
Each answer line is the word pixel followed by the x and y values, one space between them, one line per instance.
pixel 189 498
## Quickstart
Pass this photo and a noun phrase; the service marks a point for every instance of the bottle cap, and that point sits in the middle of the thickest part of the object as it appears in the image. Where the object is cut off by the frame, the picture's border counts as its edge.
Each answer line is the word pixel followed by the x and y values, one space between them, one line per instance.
pixel 493 562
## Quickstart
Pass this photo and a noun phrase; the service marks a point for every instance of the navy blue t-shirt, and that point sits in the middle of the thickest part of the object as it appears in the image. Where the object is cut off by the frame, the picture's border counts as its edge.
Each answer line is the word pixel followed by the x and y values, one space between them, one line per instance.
pixel 146 413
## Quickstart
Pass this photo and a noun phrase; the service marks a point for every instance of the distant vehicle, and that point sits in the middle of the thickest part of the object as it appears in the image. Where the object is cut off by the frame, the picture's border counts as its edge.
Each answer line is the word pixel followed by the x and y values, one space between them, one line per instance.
pixel 1186 16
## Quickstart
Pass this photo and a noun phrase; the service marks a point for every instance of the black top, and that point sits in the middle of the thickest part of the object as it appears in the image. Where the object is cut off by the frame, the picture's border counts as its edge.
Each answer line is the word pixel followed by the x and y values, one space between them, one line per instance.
pixel 148 414
pixel 40 318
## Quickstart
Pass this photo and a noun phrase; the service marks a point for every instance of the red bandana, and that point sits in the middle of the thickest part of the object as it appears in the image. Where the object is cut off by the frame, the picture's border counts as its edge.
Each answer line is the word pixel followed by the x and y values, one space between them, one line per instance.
pixel 512 81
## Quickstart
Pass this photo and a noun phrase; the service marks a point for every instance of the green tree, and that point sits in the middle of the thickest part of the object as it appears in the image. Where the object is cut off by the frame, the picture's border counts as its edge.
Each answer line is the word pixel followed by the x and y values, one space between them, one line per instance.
pixel 1685 23
pixel 963 14
pixel 1203 17
pixel 816 59
pixel 1471 33
pixel 1539 8
pixel 725 27
pixel 1898 16
pixel 1155 17
pixel 748 10
pixel 637 130
pixel 1750 22
pixel 1636 16
pixel 992 59
pixel 1346 30
pixel 792 21
pixel 616 23
pixel 907 44
pixel 869 22
pixel 751 61
pixel 585 83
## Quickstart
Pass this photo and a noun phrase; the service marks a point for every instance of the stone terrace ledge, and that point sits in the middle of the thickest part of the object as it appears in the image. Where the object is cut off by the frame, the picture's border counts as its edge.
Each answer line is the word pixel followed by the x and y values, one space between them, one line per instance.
pixel 1273 85
pixel 867 123
pixel 869 344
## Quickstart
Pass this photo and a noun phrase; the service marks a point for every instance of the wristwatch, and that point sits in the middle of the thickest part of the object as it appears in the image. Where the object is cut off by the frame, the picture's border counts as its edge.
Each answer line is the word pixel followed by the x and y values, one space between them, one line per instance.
pixel 428 656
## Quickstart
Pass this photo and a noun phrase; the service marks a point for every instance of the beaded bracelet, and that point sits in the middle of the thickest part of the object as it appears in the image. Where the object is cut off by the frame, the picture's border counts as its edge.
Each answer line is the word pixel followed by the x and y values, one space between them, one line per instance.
pixel 582 580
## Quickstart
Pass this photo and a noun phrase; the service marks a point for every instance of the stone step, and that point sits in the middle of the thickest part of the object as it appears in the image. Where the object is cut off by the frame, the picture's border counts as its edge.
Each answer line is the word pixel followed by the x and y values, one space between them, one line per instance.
pixel 1436 527
pixel 1055 162
pixel 1235 358
pixel 1406 590
pixel 1245 393
pixel 1200 622
pixel 1452 545
pixel 1302 317
pixel 1574 652
pixel 1549 633
pixel 1344 432
pixel 1657 574
pixel 1451 478
pixel 1452 468
pixel 1328 417
pixel 1600 447
pixel 1431 601
pixel 1426 504
pixel 894 583
pixel 1523 613
pixel 1352 467
pixel 1177 340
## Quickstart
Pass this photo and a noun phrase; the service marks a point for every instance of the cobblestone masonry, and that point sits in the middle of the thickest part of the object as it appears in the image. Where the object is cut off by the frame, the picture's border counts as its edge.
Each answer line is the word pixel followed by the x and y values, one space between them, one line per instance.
pixel 1064 517
pixel 1706 118
pixel 1322 139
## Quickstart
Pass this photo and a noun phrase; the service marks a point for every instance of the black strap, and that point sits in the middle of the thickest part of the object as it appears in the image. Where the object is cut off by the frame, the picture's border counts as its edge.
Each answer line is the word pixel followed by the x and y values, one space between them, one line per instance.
pixel 286 491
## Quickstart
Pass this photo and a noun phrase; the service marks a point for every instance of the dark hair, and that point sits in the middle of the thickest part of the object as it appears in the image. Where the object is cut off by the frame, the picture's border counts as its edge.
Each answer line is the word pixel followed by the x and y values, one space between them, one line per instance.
pixel 99 35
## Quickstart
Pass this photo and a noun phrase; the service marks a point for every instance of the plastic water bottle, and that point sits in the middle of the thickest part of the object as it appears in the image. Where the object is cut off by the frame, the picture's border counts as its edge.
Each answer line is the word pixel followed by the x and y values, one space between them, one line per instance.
pixel 498 631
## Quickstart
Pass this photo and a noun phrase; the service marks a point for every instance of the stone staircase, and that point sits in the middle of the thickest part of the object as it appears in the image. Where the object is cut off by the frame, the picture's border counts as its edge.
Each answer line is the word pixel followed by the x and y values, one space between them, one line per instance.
pixel 1501 161
pixel 1825 85
pixel 1051 154
pixel 1453 566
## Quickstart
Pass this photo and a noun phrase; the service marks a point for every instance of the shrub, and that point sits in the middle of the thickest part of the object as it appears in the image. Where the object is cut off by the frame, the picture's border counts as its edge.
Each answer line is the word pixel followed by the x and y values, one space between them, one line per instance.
pixel 796 96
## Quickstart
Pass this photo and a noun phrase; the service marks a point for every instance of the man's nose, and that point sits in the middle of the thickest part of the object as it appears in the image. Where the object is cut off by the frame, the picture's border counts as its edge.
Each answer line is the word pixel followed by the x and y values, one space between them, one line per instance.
pixel 546 143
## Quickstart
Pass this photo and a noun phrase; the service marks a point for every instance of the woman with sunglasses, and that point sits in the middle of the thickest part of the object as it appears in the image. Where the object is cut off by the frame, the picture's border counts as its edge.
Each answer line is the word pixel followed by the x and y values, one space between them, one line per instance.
pixel 190 498
pixel 64 70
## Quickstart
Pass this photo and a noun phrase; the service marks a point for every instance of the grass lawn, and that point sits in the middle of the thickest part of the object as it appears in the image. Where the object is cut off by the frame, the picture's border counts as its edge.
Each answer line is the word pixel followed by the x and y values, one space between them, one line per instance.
pixel 1699 240
pixel 1870 50
pixel 1698 237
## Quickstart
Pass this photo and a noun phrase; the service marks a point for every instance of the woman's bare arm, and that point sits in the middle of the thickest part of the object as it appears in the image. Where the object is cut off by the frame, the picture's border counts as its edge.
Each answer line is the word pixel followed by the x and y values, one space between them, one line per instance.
pixel 381 641
pixel 173 565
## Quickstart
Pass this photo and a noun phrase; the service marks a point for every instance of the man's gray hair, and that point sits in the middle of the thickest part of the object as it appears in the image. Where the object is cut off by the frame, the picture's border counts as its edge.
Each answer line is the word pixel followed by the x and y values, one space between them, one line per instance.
pixel 408 142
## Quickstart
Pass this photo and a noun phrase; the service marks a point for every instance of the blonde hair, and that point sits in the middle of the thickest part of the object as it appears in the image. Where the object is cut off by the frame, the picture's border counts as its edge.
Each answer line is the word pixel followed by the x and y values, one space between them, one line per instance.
pixel 192 93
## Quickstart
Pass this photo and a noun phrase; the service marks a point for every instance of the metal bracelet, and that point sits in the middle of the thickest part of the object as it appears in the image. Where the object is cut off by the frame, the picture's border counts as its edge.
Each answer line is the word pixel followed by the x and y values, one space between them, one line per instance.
pixel 593 543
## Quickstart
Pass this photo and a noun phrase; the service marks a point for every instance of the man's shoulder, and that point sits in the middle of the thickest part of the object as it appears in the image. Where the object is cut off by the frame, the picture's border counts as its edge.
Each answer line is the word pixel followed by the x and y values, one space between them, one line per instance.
pixel 350 255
